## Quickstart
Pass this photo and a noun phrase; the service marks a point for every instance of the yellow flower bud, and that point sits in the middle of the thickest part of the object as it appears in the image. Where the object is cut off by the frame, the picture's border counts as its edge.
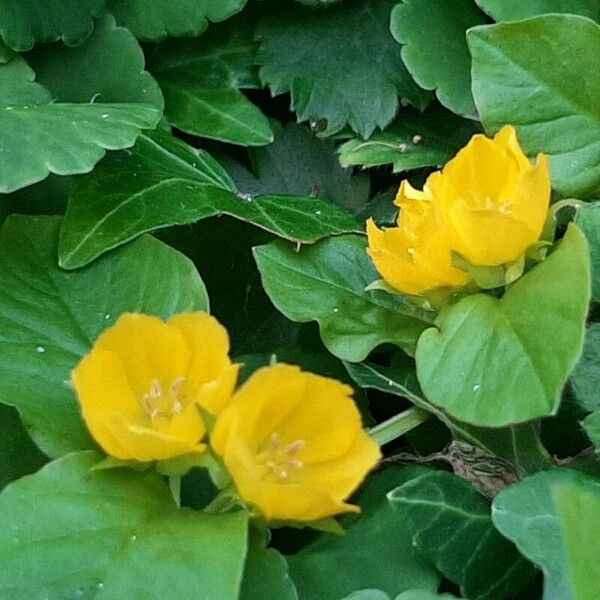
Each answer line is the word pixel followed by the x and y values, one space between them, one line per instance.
pixel 491 201
pixel 294 445
pixel 415 256
pixel 141 385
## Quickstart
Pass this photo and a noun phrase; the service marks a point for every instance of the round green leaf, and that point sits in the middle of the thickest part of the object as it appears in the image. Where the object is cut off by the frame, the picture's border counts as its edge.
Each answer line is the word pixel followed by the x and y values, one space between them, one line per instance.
pixel 49 318
pixel 435 50
pixel 561 114
pixel 515 10
pixel 496 362
pixel 68 532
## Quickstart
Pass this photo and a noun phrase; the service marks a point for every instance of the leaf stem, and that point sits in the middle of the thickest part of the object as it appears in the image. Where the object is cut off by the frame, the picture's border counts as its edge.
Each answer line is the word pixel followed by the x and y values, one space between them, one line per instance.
pixel 398 425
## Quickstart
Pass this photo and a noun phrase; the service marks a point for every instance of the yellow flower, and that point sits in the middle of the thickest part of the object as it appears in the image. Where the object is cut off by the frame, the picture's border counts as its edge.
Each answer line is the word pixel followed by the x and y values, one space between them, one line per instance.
pixel 141 385
pixel 491 201
pixel 294 445
pixel 415 256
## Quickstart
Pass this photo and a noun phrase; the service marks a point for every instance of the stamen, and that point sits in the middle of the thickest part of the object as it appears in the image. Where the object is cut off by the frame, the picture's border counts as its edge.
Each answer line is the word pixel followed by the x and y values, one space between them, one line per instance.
pixel 155 389
pixel 295 447
pixel 294 463
pixel 275 441
pixel 176 386
pixel 177 407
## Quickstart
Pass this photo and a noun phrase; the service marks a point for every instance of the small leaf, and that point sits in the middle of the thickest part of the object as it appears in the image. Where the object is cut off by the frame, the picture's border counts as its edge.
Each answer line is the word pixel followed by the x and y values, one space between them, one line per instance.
pixel 375 551
pixel 434 47
pixel 561 117
pixel 163 182
pixel 24 23
pixel 463 364
pixel 339 63
pixel 413 140
pixel 49 318
pixel 69 532
pixel 450 524
pixel 526 514
pixel 515 10
pixel 326 283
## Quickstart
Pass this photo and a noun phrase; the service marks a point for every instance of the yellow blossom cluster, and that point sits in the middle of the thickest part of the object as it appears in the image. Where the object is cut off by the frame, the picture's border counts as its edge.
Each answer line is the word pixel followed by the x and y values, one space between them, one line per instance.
pixel 291 441
pixel 487 205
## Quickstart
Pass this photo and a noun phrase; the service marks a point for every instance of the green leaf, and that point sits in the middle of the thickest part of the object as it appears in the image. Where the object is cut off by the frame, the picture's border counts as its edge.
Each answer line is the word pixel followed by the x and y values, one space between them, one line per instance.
pixel 591 425
pixel 375 551
pixel 413 140
pixel 163 182
pixel 18 454
pixel 68 74
pixel 39 138
pixel 435 50
pixel 526 514
pixel 201 79
pixel 326 283
pixel 585 379
pixel 297 163
pixel 339 63
pixel 515 10
pixel 578 512
pixel 24 23
pixel 49 318
pixel 68 532
pixel 463 364
pixel 266 574
pixel 521 444
pixel 588 219
pixel 156 19
pixel 561 117
pixel 450 523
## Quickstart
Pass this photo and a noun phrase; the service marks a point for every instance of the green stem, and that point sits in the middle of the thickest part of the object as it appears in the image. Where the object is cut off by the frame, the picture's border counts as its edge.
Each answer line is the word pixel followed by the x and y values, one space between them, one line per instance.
pixel 175 487
pixel 397 426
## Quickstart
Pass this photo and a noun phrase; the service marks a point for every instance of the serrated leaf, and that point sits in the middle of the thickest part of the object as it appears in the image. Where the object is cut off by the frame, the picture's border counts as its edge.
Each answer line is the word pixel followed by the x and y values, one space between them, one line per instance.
pixel 24 23
pixel 326 283
pixel 339 63
pixel 202 78
pixel 588 219
pixel 91 73
pixel 515 10
pixel 463 364
pixel 298 163
pixel 521 444
pixel 154 20
pixel 435 50
pixel 375 550
pixel 526 514
pixel 561 117
pixel 163 182
pixel 450 523
pixel 413 140
pixel 69 532
pixel 49 318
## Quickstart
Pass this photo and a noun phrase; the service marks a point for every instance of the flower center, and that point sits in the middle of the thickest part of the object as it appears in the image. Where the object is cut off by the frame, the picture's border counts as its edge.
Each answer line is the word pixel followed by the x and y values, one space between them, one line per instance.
pixel 159 404
pixel 504 208
pixel 280 460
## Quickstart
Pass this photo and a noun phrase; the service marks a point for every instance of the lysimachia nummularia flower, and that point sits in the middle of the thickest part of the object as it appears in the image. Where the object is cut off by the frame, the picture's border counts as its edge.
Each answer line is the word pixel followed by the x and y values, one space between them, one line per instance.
pixel 141 386
pixel 294 445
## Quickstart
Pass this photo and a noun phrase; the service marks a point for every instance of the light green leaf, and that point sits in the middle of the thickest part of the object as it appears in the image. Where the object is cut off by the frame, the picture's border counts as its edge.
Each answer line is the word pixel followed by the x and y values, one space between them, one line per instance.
pixel 108 67
pixel 588 219
pixel 163 182
pixel 326 283
pixel 561 117
pixel 578 513
pixel 450 523
pixel 202 78
pixel 520 444
pixel 24 23
pixel 585 379
pixel 298 163
pixel 375 551
pixel 515 10
pixel 49 318
pixel 68 532
pixel 413 140
pixel 340 64
pixel 435 50
pixel 464 363
pixel 156 19
pixel 526 514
